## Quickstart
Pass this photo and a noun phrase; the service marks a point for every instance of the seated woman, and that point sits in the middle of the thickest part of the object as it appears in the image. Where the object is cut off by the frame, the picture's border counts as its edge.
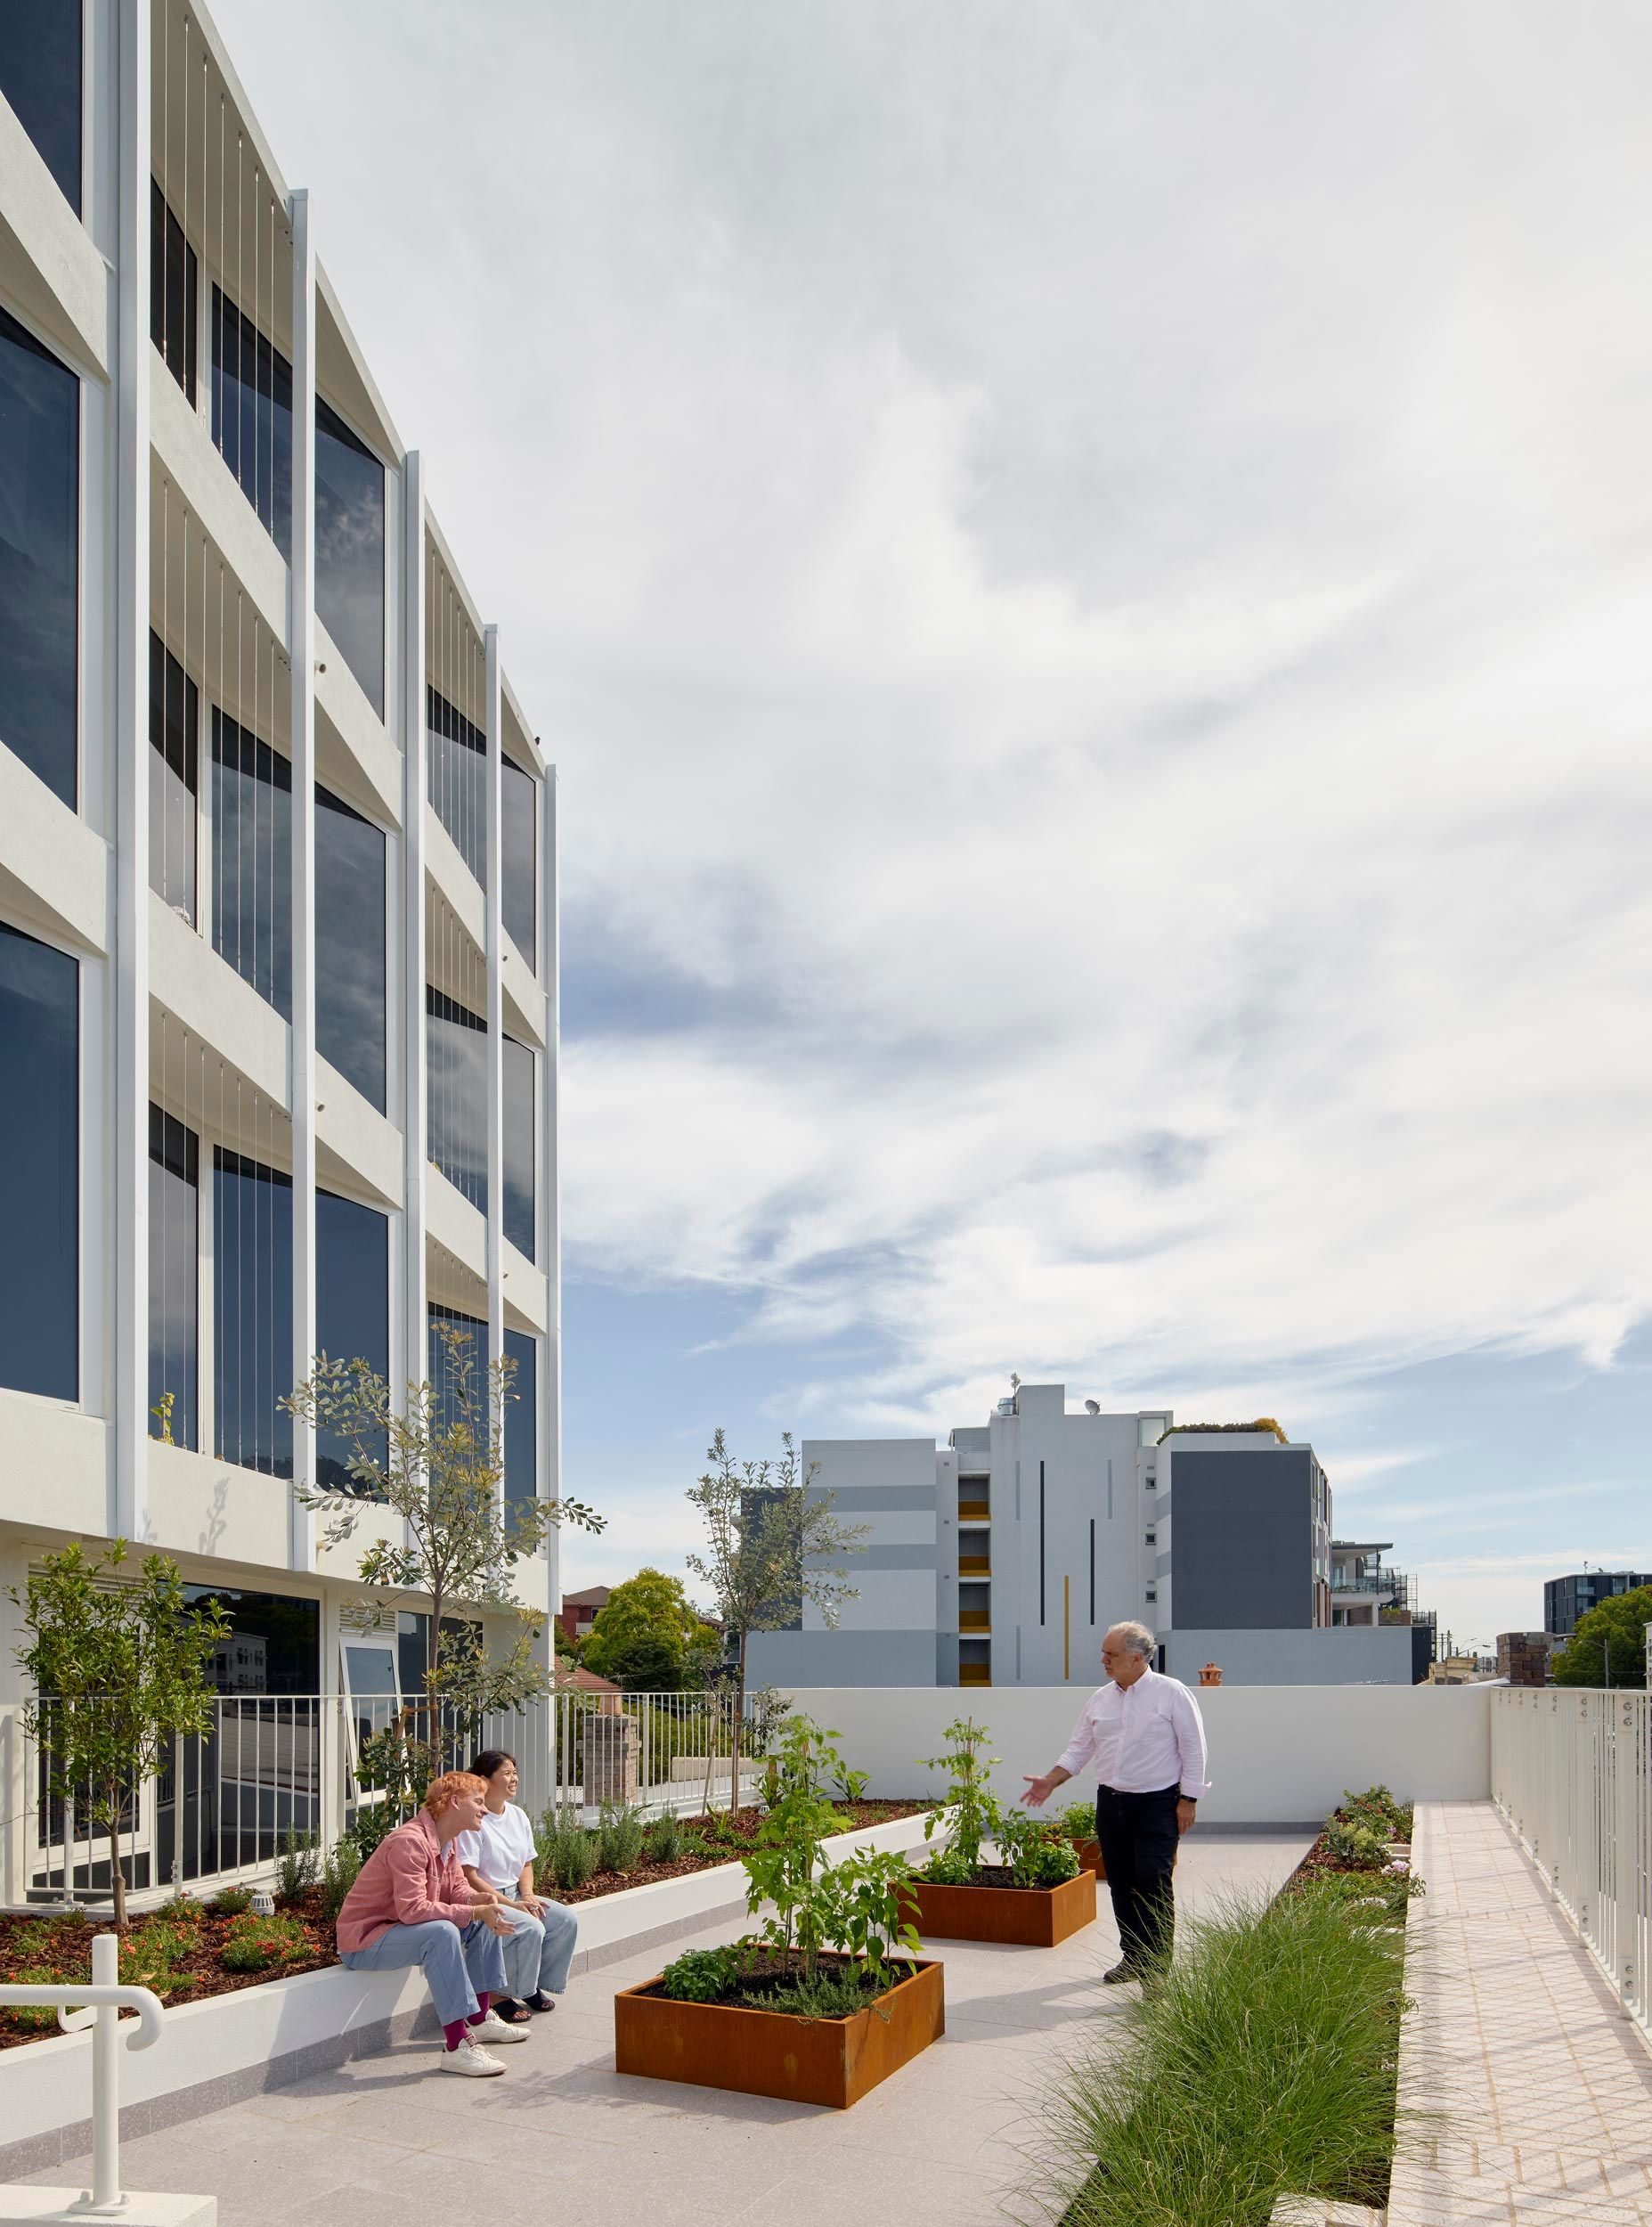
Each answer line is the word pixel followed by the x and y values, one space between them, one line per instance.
pixel 498 1857
pixel 413 1904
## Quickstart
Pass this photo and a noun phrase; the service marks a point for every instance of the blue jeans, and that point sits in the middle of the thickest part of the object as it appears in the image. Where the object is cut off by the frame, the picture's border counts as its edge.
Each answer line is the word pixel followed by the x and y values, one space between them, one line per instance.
pixel 539 1950
pixel 459 1967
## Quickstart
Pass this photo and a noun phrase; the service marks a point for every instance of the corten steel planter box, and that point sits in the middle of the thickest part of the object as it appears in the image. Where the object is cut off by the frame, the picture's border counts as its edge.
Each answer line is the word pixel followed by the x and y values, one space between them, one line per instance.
pixel 1089 1856
pixel 833 2061
pixel 1023 1917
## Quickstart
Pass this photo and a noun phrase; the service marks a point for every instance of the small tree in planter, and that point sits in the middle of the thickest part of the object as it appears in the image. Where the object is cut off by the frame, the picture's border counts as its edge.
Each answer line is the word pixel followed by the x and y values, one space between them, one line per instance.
pixel 437 1463
pixel 762 1533
pixel 120 1670
pixel 823 1969
pixel 1035 1895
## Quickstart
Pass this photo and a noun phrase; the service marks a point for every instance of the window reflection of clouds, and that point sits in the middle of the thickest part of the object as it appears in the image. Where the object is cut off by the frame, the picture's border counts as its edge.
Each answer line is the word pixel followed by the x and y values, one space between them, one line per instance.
pixel 251 860
pixel 522 1419
pixel 519 853
pixel 350 549
pixel 350 982
pixel 456 1094
pixel 40 1166
pixel 173 1281
pixel 252 1256
pixel 351 1312
pixel 40 557
pixel 519 1143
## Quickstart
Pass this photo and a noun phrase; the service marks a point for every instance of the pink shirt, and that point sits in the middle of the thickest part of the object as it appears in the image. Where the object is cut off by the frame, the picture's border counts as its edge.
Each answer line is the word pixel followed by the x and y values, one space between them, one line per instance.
pixel 409 1878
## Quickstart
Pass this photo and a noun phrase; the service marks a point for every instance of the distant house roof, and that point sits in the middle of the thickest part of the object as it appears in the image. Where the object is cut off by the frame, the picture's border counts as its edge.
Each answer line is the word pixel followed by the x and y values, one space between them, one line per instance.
pixel 585 1681
pixel 593 1597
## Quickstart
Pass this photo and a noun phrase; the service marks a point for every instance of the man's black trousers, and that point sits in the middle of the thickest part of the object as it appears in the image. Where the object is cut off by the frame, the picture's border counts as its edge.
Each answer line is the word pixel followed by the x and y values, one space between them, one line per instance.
pixel 1137 1837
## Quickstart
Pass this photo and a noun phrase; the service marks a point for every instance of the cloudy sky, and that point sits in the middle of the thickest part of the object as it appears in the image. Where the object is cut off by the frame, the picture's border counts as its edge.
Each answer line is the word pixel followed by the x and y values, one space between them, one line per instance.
pixel 1086 569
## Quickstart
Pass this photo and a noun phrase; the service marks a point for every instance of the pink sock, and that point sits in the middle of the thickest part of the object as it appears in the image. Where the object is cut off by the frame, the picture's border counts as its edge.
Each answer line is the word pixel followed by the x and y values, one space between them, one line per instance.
pixel 480 2012
pixel 454 2031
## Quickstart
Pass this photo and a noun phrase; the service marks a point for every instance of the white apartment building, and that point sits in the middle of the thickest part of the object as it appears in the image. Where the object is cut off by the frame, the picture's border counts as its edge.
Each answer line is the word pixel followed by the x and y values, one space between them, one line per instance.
pixel 1002 1558
pixel 278 895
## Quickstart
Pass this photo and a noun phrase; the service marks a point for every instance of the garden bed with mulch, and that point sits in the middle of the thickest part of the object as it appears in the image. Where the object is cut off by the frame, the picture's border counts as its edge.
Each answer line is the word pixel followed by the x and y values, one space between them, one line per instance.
pixel 179 1951
pixel 723 1839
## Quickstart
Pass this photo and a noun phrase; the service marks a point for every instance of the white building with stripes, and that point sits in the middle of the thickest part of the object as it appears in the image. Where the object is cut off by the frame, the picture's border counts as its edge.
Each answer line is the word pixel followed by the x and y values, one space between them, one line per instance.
pixel 278 896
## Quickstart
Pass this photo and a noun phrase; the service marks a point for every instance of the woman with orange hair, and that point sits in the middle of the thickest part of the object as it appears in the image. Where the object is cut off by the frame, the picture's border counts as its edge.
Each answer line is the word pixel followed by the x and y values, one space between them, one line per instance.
pixel 411 1904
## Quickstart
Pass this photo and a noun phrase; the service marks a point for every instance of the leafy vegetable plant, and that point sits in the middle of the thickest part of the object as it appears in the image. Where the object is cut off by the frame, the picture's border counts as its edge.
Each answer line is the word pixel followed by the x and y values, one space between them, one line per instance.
pixel 970 1813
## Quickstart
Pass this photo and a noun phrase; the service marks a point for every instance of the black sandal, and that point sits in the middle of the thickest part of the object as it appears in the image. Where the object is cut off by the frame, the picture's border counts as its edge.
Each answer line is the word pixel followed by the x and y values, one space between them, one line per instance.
pixel 540 2002
pixel 509 2010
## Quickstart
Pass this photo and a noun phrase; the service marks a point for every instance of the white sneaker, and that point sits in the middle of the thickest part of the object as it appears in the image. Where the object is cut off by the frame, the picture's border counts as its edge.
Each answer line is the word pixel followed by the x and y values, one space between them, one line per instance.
pixel 496 2029
pixel 468 2061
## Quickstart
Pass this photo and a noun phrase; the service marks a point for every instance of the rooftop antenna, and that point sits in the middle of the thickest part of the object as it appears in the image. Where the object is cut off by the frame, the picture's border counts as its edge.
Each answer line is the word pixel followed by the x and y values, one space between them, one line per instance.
pixel 1014 1382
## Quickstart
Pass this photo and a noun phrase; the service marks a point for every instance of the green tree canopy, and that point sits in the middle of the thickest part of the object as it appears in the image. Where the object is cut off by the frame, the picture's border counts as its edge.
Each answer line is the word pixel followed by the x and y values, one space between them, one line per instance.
pixel 650 1638
pixel 1610 1638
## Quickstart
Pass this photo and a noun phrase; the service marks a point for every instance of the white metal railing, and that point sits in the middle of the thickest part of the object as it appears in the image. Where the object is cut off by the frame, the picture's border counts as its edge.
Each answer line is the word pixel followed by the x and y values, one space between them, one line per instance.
pixel 1571 1772
pixel 274 1766
pixel 100 2005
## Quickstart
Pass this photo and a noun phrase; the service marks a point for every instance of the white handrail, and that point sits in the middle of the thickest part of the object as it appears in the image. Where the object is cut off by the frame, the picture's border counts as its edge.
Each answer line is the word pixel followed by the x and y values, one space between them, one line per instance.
pixel 99 2005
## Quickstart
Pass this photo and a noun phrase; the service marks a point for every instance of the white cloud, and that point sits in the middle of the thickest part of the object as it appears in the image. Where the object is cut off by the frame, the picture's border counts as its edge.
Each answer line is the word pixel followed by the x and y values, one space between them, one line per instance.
pixel 1088 582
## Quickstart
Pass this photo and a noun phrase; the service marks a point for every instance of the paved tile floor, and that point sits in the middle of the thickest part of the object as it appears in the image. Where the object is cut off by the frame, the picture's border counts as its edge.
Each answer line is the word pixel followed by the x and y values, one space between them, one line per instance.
pixel 385 2140
pixel 1533 2095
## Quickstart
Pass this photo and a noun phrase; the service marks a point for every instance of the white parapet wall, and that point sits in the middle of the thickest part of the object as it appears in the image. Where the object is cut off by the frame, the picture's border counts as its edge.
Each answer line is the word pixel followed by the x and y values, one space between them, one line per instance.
pixel 1279 1754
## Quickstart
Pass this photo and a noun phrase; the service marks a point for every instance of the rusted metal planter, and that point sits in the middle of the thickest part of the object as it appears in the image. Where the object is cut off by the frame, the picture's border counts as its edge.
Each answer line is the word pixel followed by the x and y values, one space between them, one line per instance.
pixel 833 2061
pixel 1025 1917
pixel 1089 1856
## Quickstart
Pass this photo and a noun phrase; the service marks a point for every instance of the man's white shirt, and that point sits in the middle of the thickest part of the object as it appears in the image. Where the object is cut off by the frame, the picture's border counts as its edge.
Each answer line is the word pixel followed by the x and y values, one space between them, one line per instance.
pixel 1142 1738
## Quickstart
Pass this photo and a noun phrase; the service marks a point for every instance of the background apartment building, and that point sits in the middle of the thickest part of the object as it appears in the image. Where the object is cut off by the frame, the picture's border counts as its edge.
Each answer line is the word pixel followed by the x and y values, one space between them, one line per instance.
pixel 1002 1558
pixel 278 904
pixel 1566 1599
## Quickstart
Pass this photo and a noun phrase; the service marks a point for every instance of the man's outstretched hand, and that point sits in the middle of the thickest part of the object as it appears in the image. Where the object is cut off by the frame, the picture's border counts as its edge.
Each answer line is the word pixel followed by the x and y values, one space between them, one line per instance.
pixel 1039 1790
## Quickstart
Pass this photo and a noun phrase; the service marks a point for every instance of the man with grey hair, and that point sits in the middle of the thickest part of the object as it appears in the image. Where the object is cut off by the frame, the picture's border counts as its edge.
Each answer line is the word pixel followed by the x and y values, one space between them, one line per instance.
pixel 1147 1740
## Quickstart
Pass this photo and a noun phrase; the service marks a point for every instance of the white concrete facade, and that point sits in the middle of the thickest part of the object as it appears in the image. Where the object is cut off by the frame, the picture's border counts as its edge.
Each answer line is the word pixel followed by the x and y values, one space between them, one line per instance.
pixel 196 559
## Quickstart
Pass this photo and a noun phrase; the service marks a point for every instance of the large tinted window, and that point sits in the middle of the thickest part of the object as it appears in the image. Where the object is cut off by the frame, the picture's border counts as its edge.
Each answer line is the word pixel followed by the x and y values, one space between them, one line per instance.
pixel 456 778
pixel 40 76
pixel 173 295
pixel 350 994
pixel 252 1341
pixel 456 1094
pixel 39 556
pixel 521 1418
pixel 174 1284
pixel 519 1126
pixel 252 415
pixel 457 1364
pixel 350 549
pixel 275 1643
pixel 39 1167
pixel 352 1313
pixel 252 859
pixel 174 779
pixel 519 853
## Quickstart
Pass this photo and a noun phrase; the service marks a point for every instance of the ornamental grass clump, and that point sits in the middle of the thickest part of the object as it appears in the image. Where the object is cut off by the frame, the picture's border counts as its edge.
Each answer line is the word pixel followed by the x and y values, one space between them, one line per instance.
pixel 563 1849
pixel 1261 2064
pixel 619 1839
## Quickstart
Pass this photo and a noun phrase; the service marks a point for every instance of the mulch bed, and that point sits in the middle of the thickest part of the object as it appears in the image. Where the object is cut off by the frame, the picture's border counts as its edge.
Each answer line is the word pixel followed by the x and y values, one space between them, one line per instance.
pixel 727 1837
pixel 59 1950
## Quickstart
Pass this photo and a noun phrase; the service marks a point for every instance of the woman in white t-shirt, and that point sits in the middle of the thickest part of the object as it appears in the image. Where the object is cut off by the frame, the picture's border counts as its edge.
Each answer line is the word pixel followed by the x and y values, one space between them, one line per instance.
pixel 500 1857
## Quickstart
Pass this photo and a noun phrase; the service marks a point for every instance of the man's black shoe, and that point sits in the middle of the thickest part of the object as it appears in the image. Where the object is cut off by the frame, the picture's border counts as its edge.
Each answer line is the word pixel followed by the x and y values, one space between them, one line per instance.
pixel 1119 1974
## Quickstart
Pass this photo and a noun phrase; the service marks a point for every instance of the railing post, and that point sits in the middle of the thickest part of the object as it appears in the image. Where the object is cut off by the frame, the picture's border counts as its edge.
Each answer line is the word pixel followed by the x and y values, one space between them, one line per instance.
pixel 105 2192
pixel 178 1810
pixel 1625 1880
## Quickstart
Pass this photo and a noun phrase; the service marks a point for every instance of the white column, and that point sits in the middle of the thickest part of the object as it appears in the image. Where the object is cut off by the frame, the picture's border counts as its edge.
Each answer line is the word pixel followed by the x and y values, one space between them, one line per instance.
pixel 129 1514
pixel 550 1448
pixel 301 651
pixel 492 913
pixel 413 742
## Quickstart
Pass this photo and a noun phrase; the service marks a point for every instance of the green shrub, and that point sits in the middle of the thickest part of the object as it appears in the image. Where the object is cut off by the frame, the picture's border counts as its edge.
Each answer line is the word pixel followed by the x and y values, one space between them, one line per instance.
pixel 664 1839
pixel 258 1945
pixel 229 1902
pixel 619 1838
pixel 949 1867
pixel 1261 2064
pixel 563 1849
pixel 833 1991
pixel 1077 1821
pixel 338 1876
pixel 1379 1809
pixel 1359 1845
pixel 372 1823
pixel 297 1867
pixel 1038 1854
pixel 179 1910
pixel 702 1975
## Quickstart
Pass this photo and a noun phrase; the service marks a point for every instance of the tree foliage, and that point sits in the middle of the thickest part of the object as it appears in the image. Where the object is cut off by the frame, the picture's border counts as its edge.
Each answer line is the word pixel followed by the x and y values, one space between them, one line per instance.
pixel 650 1638
pixel 1609 1644
pixel 769 1540
pixel 436 1461
pixel 119 1670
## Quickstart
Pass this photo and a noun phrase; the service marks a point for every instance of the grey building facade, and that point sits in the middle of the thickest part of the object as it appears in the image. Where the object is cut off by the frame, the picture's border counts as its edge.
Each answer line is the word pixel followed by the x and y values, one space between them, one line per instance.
pixel 1568 1599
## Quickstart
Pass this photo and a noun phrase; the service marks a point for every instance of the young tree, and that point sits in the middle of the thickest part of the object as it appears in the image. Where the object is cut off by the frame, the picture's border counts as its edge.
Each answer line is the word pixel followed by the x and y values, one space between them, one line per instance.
pixel 437 1463
pixel 769 1536
pixel 649 1638
pixel 1609 1644
pixel 118 1671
